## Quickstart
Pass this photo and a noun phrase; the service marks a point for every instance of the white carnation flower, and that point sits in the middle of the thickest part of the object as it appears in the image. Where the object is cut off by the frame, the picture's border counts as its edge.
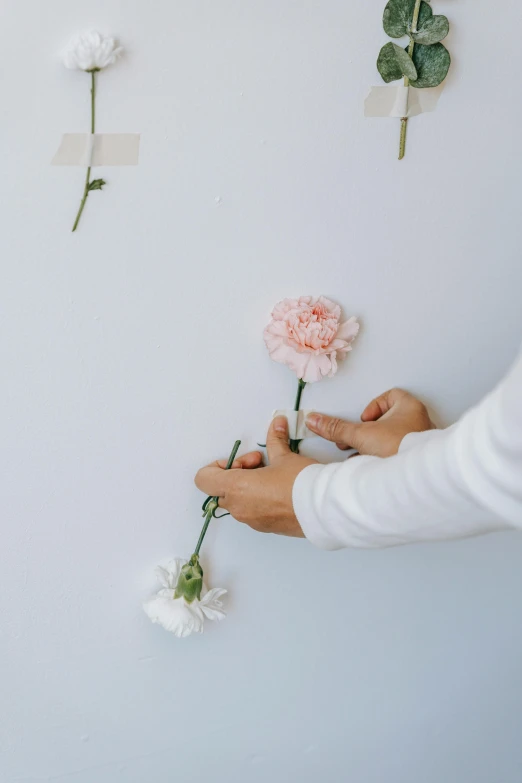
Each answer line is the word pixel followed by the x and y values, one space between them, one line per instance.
pixel 91 51
pixel 178 615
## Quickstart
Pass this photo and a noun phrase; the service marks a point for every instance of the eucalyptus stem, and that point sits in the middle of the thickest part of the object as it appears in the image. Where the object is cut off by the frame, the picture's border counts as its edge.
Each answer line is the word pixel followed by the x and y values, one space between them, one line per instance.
pixel 211 503
pixel 294 444
pixel 404 120
pixel 93 130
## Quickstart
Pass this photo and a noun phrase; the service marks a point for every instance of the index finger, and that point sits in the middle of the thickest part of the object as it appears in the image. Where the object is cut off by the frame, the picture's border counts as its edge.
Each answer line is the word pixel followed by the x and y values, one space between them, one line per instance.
pixel 212 480
pixel 251 460
pixel 382 404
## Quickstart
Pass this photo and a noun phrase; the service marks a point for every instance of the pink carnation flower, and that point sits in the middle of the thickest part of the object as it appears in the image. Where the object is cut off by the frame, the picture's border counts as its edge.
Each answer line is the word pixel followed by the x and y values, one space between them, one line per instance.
pixel 306 335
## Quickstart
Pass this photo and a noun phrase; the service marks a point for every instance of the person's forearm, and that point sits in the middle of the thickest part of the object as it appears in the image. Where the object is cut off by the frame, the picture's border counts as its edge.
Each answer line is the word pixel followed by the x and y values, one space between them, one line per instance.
pixel 455 483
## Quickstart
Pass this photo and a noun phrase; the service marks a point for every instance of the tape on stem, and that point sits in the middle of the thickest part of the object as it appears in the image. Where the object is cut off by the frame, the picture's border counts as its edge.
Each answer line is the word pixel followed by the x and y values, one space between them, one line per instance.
pixel 98 149
pixel 297 429
pixel 400 101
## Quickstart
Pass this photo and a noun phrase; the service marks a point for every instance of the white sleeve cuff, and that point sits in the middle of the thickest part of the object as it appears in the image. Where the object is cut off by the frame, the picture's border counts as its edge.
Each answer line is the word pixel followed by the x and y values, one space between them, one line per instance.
pixel 303 501
pixel 414 439
pixel 311 487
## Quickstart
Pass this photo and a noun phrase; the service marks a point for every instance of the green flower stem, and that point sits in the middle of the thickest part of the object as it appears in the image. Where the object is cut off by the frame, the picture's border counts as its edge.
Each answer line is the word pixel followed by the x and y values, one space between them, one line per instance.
pixel 93 130
pixel 93 101
pixel 404 120
pixel 294 444
pixel 300 386
pixel 204 529
pixel 212 503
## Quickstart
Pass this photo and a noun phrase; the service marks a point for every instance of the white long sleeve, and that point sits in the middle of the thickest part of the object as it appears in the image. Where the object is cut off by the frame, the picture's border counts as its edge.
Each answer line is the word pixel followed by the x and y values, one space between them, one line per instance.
pixel 442 484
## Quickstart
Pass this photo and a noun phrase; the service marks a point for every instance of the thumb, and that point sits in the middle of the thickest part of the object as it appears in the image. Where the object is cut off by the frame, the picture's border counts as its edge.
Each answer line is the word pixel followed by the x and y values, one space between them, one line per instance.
pixel 344 433
pixel 277 439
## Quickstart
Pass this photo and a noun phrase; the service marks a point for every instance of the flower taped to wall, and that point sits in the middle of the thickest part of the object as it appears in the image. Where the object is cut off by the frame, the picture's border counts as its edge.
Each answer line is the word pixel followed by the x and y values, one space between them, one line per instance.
pixel 308 336
pixel 92 53
pixel 184 601
pixel 423 63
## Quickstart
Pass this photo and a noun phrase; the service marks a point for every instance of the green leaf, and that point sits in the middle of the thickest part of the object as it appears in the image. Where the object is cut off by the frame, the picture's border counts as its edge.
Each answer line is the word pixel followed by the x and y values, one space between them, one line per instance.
pixel 432 64
pixel 433 30
pixel 96 184
pixel 398 17
pixel 393 63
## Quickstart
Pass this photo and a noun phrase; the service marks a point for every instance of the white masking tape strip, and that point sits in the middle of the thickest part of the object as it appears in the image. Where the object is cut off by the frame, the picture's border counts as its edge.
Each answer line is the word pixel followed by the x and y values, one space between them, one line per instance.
pixel 89 150
pixel 400 107
pixel 400 101
pixel 98 149
pixel 297 429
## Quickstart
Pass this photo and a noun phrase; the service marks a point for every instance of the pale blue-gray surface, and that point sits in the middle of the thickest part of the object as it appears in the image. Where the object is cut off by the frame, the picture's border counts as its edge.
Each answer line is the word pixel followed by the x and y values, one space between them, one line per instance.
pixel 132 353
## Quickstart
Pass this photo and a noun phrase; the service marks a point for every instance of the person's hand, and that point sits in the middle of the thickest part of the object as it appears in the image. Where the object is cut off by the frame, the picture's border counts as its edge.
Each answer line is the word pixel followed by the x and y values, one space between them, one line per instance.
pixel 385 422
pixel 261 497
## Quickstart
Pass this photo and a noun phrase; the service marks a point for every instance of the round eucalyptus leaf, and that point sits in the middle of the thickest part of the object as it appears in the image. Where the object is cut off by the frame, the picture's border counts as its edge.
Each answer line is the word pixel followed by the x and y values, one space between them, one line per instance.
pixel 433 30
pixel 393 63
pixel 398 17
pixel 432 64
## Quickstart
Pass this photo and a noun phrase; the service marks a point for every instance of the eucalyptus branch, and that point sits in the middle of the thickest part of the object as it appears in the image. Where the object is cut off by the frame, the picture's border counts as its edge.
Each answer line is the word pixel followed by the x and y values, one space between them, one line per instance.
pixel 425 61
pixel 411 47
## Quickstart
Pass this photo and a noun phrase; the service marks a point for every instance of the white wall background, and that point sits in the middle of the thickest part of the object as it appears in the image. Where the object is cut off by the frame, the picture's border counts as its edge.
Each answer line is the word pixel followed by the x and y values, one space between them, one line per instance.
pixel 132 353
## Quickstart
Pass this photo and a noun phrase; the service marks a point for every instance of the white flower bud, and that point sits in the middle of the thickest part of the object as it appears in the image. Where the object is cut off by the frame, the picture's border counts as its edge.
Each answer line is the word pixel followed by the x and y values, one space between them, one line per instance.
pixel 91 51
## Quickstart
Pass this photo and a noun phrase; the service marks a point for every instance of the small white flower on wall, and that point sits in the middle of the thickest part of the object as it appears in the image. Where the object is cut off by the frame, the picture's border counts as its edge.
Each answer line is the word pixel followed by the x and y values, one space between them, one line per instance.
pixel 184 601
pixel 92 52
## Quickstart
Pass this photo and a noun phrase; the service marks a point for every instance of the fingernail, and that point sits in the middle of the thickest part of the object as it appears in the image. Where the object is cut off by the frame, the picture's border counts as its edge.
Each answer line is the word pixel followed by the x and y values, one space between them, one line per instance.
pixel 280 424
pixel 313 419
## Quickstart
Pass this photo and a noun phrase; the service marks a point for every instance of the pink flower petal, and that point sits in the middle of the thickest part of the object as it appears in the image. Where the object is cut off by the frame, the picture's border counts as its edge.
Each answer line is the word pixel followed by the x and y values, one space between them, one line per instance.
pixel 349 330
pixel 305 334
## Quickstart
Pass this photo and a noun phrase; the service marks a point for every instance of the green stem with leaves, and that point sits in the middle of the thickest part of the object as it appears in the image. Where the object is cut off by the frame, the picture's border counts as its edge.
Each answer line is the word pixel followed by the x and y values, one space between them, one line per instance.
pixel 96 184
pixel 294 444
pixel 404 120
